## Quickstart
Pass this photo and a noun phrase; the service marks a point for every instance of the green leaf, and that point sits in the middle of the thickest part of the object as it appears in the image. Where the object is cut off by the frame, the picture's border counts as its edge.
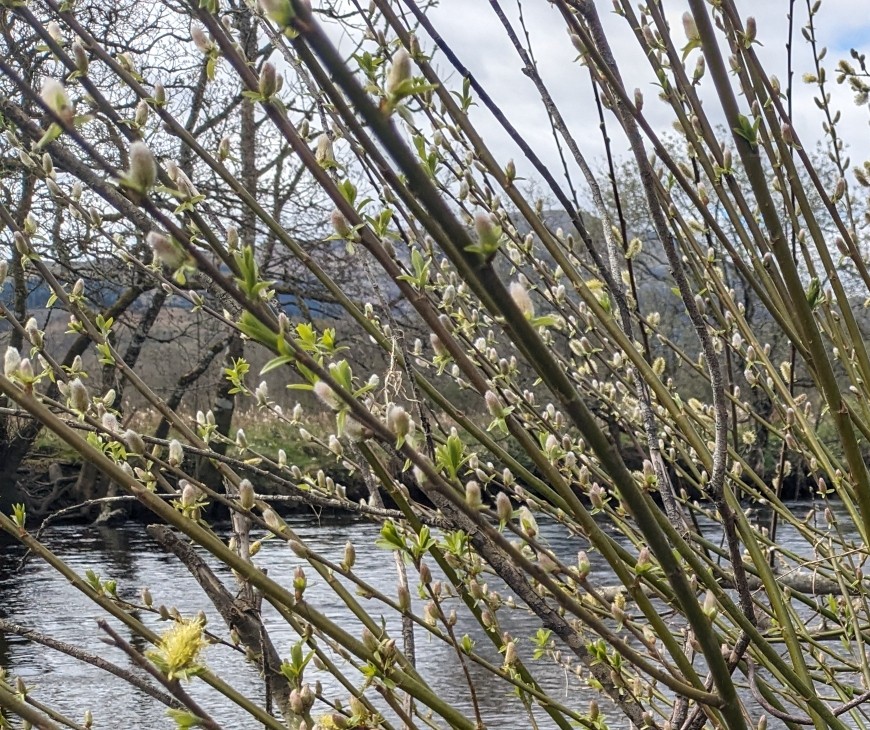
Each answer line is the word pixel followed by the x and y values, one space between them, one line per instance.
pixel 184 720
pixel 391 538
pixel 276 362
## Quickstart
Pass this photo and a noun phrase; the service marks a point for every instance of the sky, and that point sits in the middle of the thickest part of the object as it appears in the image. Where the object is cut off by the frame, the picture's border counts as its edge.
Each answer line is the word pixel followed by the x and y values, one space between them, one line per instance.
pixel 476 35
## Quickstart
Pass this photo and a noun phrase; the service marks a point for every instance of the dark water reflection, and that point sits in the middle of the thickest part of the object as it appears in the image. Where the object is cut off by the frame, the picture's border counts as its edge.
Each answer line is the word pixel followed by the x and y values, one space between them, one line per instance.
pixel 40 600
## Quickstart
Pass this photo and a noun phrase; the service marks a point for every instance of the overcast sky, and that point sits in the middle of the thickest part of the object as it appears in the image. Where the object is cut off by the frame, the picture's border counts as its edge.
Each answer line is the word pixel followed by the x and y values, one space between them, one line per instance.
pixel 478 38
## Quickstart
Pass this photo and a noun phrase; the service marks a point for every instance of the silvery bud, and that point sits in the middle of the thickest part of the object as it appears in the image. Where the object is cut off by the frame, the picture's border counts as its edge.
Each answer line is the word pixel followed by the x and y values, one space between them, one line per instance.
pixel 273 522
pixel 323 152
pixel 334 445
pixel 81 58
pixel 341 226
pixel 488 233
pixel 25 370
pixel 55 97
pixel 472 495
pixel 349 556
pixel 109 421
pixel 268 82
pixel 55 32
pixel 583 564
pixel 711 606
pixel 142 111
pixel 189 493
pixel 246 494
pixel 176 453
pixel 326 394
pixel 201 40
pixel 166 250
pixel 690 28
pixel 78 396
pixel 33 332
pixel 528 522
pixel 224 148
pixel 22 245
pixel 520 294
pixel 400 71
pixel 425 574
pixel 134 441
pixel 142 173
pixel 510 653
pixel 751 30
pixel 503 507
pixel 398 421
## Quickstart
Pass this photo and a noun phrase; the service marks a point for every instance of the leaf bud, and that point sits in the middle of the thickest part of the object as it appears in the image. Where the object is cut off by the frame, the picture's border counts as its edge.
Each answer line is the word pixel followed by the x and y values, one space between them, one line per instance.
pixel 300 582
pixel 425 574
pixel 404 596
pixel 280 12
pixel 527 522
pixel 369 640
pixel 583 565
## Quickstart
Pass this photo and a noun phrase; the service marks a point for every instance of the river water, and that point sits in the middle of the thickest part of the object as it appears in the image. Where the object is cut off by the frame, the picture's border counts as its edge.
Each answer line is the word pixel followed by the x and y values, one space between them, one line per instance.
pixel 39 599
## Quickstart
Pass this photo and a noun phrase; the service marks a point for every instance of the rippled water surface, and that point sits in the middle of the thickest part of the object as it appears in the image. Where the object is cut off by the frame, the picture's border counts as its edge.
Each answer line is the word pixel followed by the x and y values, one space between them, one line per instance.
pixel 39 599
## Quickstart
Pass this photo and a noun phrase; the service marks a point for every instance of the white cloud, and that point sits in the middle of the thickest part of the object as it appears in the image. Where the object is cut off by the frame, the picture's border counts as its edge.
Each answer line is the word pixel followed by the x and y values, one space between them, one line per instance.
pixel 475 34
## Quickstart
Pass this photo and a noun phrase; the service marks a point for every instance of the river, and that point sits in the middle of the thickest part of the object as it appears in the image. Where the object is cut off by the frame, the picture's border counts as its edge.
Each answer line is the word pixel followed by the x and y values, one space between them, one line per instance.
pixel 40 600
